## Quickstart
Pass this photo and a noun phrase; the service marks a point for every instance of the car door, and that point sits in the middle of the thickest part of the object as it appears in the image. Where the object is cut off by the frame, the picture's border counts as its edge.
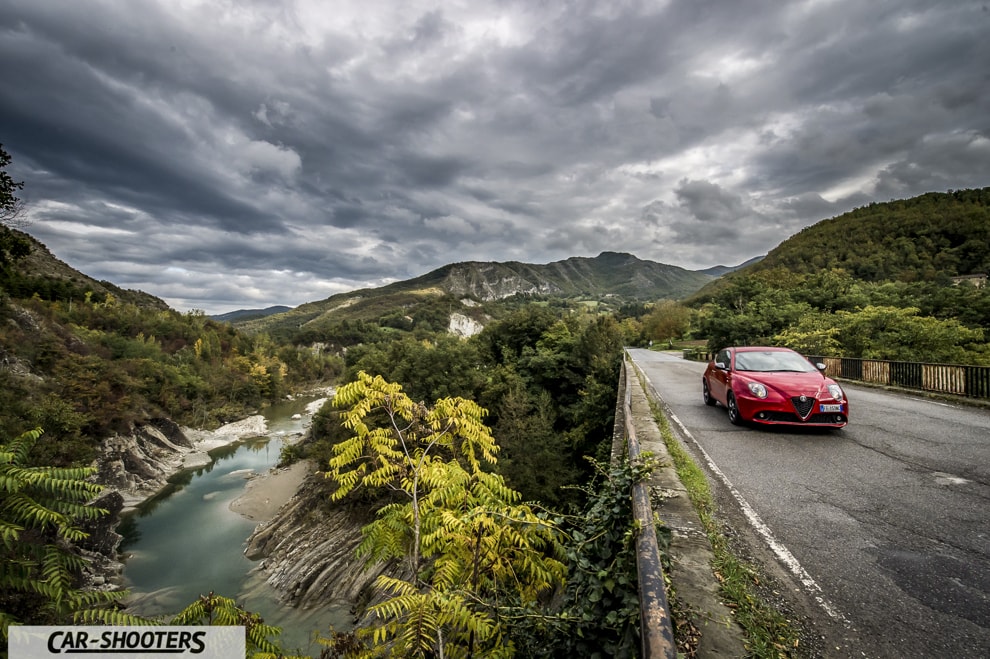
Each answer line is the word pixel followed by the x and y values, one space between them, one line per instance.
pixel 719 380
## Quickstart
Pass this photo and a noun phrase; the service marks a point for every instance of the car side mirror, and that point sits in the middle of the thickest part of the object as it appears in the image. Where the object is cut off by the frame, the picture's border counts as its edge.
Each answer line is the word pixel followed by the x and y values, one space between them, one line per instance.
pixel 721 365
pixel 820 366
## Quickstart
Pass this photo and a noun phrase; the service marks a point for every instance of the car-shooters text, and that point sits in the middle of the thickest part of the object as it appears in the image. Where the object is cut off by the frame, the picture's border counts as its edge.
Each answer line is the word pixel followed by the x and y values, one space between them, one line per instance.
pixel 110 640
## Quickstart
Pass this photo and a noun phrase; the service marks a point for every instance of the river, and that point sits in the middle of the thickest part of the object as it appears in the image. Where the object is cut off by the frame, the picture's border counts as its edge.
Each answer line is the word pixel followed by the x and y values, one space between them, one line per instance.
pixel 186 542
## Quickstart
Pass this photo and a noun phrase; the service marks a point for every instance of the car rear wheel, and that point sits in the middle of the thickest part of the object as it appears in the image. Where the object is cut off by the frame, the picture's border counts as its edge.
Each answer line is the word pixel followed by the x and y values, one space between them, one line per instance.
pixel 734 415
pixel 706 394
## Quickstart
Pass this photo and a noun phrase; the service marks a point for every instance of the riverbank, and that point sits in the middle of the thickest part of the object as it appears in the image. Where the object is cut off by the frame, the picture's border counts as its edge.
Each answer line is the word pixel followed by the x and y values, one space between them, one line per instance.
pixel 265 493
pixel 201 493
pixel 139 465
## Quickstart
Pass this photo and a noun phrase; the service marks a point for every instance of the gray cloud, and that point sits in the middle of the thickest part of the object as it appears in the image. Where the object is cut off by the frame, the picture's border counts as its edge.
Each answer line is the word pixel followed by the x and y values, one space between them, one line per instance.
pixel 225 156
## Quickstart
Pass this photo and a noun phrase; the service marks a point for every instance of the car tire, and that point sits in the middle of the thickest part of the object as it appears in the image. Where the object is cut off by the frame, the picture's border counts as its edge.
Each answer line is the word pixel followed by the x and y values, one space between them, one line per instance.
pixel 735 416
pixel 706 394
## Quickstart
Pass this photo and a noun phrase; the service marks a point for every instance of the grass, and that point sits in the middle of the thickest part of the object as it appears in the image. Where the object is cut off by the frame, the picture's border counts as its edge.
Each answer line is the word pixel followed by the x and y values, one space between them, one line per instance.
pixel 768 633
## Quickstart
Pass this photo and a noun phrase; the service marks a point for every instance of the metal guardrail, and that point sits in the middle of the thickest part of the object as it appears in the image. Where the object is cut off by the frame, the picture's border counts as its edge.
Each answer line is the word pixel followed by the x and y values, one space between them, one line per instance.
pixel 657 632
pixel 955 379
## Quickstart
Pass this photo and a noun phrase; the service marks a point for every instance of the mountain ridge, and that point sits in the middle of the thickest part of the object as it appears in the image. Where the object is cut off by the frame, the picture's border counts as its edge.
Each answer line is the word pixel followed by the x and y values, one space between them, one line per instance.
pixel 616 276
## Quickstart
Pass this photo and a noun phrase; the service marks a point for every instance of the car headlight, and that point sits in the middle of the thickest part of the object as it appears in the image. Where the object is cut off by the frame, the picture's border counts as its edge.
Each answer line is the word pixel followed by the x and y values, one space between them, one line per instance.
pixel 836 391
pixel 757 389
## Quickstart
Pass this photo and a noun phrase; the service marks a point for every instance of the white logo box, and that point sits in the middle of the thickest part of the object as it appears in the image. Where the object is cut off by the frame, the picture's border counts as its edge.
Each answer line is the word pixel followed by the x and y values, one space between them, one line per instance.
pixel 77 642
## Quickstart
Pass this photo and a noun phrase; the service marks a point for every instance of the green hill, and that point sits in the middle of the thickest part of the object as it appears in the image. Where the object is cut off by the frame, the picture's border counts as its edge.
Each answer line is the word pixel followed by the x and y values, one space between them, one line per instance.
pixel 86 359
pixel 39 271
pixel 917 239
pixel 902 280
pixel 932 237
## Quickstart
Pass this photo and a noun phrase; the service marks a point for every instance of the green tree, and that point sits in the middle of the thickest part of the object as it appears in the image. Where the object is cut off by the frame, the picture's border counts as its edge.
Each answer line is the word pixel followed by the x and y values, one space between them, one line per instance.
pixel 442 367
pixel 533 456
pixel 667 320
pixel 40 511
pixel 506 340
pixel 9 202
pixel 398 455
pixel 815 334
pixel 882 332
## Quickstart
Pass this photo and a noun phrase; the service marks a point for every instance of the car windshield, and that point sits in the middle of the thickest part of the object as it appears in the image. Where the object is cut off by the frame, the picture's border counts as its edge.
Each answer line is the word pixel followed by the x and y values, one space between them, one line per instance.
pixel 772 360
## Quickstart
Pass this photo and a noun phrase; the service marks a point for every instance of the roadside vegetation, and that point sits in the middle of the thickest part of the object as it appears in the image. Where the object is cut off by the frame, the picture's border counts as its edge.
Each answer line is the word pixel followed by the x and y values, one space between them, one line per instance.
pixel 832 314
pixel 484 573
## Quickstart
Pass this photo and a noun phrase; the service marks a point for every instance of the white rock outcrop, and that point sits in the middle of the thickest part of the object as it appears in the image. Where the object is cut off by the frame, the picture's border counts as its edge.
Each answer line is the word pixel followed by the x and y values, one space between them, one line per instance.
pixel 462 325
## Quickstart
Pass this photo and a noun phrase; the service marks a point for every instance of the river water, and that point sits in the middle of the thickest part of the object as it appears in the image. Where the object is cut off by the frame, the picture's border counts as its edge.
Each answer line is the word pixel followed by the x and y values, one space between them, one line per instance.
pixel 186 542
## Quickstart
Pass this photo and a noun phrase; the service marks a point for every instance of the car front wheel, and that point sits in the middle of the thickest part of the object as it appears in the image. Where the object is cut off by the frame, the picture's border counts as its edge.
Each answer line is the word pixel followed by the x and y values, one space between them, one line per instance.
pixel 734 415
pixel 706 394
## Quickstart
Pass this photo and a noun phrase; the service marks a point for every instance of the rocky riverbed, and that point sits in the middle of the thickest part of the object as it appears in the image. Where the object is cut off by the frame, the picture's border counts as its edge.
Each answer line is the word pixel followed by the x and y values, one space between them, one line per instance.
pixel 138 465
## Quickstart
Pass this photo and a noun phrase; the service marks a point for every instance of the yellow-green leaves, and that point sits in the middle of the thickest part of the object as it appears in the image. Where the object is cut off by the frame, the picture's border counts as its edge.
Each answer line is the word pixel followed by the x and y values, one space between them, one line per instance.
pixel 394 436
pixel 469 542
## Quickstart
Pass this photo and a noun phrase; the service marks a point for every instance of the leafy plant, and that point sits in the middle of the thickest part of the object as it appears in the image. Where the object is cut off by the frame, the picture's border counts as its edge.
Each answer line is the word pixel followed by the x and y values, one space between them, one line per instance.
pixel 602 607
pixel 212 609
pixel 39 512
pixel 469 543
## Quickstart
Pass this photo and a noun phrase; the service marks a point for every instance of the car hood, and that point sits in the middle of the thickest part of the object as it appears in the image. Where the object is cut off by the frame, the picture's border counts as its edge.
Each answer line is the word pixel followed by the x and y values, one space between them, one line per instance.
pixel 789 384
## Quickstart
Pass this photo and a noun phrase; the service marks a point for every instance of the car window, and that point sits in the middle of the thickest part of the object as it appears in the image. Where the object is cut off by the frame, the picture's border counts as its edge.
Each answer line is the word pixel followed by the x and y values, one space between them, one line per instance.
pixel 723 356
pixel 772 361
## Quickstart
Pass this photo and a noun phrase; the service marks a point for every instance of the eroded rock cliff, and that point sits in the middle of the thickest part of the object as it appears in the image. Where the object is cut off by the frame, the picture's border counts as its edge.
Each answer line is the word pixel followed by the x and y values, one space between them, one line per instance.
pixel 138 464
pixel 308 550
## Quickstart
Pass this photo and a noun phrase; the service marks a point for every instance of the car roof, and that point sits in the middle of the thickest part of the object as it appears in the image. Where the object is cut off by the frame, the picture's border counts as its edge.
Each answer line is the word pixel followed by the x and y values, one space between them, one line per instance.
pixel 760 349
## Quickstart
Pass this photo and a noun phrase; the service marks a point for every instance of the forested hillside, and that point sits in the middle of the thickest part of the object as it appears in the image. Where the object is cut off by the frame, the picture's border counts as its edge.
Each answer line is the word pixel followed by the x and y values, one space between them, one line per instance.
pixel 83 359
pixel 924 238
pixel 877 282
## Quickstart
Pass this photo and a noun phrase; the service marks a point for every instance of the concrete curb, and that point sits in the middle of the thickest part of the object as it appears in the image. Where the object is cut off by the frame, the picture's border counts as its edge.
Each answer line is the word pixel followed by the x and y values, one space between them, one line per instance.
pixel 691 554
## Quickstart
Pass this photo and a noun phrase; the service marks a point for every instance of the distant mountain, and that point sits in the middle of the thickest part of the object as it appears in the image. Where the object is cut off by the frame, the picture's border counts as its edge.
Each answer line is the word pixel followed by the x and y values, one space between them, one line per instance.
pixel 719 270
pixel 610 276
pixel 249 314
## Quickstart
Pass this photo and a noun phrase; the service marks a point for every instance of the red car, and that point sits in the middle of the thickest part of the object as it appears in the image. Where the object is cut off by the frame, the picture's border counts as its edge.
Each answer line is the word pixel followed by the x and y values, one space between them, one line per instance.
pixel 773 386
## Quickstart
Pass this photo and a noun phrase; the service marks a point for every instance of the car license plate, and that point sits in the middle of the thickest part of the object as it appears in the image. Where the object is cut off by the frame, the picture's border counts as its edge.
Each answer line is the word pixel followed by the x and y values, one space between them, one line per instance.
pixel 830 408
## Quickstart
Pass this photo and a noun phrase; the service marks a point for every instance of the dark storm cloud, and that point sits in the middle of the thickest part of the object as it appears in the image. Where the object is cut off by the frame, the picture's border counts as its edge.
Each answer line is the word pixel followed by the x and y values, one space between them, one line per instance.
pixel 226 155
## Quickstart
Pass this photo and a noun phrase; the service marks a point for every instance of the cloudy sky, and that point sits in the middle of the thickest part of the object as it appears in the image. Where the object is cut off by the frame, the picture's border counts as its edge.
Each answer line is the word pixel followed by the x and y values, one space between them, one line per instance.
pixel 226 154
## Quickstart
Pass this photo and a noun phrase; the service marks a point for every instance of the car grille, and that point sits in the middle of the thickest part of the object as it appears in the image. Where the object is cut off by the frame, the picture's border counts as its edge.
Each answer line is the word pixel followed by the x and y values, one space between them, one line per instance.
pixel 787 417
pixel 803 407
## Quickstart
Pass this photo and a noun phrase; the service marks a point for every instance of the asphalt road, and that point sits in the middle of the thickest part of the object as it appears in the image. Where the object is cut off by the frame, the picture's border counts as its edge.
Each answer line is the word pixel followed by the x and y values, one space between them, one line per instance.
pixel 886 523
